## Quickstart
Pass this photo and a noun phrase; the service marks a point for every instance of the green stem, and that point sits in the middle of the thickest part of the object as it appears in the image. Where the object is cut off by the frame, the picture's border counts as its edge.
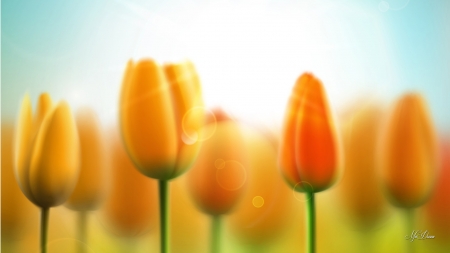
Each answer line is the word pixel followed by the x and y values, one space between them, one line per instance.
pixel 311 222
pixel 44 228
pixel 164 214
pixel 82 231
pixel 215 234
pixel 409 229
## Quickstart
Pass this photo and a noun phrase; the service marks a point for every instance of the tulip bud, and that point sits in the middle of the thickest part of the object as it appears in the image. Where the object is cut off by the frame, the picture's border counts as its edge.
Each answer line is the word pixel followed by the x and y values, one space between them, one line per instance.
pixel 408 153
pixel 147 120
pixel 131 207
pixel 360 192
pixel 219 176
pixel 309 149
pixel 47 164
pixel 91 186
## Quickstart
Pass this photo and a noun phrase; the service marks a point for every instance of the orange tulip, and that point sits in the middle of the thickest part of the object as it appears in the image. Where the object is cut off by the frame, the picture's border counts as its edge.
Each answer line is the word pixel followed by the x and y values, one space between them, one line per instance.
pixel 131 207
pixel 159 122
pixel 266 205
pixel 91 187
pixel 360 192
pixel 408 153
pixel 218 177
pixel 309 154
pixel 309 147
pixel 438 208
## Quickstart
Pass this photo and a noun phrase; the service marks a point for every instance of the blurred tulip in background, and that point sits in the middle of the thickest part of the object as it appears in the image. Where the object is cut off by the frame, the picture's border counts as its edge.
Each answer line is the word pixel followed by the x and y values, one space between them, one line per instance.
pixel 219 177
pixel 266 207
pixel 409 157
pixel 360 192
pixel 91 186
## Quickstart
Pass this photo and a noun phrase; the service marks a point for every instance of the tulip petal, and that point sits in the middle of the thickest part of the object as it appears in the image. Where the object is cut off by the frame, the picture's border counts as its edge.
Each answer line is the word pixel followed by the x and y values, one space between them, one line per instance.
pixel 54 167
pixel 186 96
pixel 44 107
pixel 315 140
pixel 286 158
pixel 148 122
pixel 24 136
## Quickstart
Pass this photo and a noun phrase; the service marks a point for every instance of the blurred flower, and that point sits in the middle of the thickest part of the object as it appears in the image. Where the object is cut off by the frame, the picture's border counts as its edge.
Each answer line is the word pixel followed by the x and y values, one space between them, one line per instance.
pixel 17 211
pixel 360 192
pixel 131 207
pixel 309 148
pixel 219 176
pixel 266 205
pixel 408 153
pixel 158 124
pixel 438 208
pixel 91 186
pixel 47 152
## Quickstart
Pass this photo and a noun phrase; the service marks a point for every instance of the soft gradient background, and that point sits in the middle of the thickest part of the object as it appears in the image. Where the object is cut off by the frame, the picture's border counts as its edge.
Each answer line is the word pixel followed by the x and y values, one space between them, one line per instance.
pixel 248 53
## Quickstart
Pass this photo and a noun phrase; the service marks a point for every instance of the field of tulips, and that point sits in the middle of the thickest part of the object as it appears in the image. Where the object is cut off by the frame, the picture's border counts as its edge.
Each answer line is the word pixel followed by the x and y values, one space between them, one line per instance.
pixel 174 173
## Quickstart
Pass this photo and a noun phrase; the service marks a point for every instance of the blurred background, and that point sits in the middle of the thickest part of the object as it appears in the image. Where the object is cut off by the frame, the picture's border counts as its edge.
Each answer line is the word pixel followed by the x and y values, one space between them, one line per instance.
pixel 248 55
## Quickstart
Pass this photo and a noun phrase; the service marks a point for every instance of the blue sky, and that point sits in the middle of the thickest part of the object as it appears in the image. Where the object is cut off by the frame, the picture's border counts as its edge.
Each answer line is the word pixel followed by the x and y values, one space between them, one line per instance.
pixel 248 53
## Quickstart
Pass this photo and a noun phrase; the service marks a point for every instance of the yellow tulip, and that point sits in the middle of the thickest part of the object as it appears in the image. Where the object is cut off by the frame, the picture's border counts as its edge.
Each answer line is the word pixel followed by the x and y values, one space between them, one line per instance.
pixel 46 156
pixel 160 123
pixel 156 117
pixel 91 187
pixel 47 152
pixel 409 156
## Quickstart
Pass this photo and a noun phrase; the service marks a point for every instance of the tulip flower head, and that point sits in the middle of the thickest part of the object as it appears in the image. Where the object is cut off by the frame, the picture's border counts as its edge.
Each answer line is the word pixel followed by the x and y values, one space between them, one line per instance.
pixel 158 118
pixel 408 153
pixel 91 187
pixel 219 176
pixel 309 154
pixel 46 152
pixel 360 191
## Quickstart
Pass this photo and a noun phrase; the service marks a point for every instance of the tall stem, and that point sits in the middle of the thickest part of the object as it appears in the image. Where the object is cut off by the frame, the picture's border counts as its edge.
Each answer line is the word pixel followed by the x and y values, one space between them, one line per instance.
pixel 164 215
pixel 44 228
pixel 409 229
pixel 215 234
pixel 311 222
pixel 82 231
